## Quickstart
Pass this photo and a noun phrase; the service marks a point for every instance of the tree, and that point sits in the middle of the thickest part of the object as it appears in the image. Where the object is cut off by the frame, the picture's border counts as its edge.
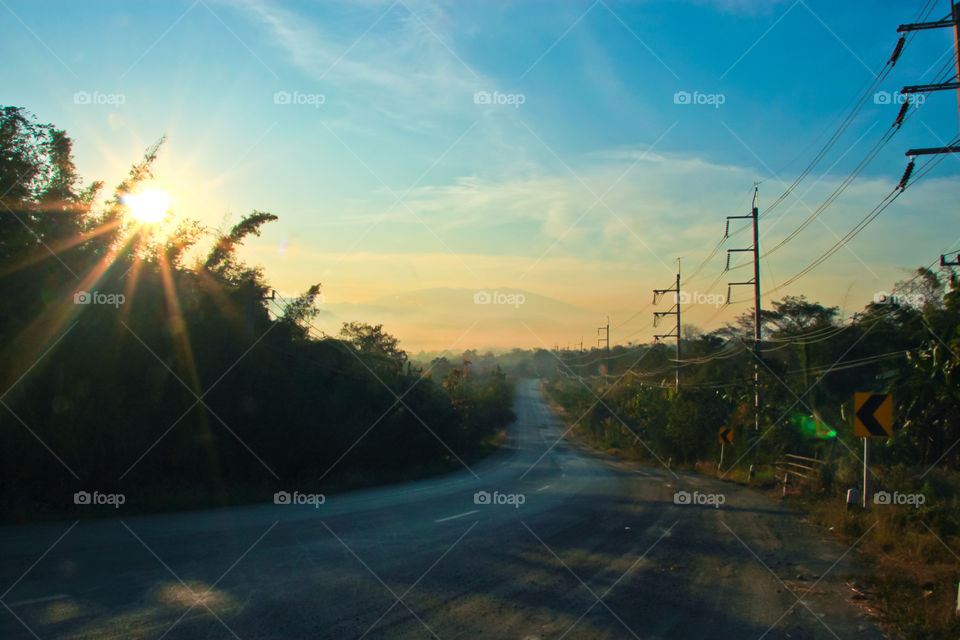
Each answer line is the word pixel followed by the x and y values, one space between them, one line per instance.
pixel 794 314
pixel 372 340
pixel 107 383
pixel 43 203
pixel 222 261
pixel 301 310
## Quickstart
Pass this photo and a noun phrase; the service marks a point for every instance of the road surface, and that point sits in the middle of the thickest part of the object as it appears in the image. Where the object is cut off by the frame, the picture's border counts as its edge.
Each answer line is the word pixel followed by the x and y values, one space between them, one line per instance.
pixel 569 545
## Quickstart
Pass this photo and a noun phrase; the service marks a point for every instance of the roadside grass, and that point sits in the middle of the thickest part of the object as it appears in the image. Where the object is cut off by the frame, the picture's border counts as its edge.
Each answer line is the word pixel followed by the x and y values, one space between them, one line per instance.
pixel 913 551
pixel 915 562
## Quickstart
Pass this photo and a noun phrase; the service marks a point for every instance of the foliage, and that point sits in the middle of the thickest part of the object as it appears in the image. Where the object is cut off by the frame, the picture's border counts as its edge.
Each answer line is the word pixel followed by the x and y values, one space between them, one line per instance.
pixel 198 388
pixel 809 367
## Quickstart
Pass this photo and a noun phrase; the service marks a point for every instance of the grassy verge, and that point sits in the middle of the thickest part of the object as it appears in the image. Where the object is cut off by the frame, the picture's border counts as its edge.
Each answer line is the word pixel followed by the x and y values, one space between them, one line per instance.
pixel 915 568
pixel 913 552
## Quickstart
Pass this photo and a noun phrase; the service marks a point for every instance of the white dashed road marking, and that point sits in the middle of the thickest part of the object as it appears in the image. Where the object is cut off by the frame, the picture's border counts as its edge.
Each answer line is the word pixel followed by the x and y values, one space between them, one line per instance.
pixel 459 515
pixel 22 603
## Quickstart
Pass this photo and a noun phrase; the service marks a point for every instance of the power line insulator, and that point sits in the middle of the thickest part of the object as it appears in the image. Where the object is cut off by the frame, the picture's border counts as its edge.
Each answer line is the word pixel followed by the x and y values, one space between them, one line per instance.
pixel 902 113
pixel 897 51
pixel 906 174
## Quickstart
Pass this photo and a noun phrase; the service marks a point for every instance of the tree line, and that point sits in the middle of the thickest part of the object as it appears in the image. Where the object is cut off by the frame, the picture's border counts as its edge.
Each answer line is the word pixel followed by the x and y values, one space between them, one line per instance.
pixel 810 364
pixel 153 361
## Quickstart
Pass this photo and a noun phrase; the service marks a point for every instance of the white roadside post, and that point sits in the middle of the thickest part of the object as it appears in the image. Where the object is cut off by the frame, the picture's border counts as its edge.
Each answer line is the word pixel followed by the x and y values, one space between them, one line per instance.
pixel 866 473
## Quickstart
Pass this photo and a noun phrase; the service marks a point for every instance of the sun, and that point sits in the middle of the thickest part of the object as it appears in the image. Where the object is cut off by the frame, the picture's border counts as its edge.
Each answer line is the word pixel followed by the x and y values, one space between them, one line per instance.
pixel 148 206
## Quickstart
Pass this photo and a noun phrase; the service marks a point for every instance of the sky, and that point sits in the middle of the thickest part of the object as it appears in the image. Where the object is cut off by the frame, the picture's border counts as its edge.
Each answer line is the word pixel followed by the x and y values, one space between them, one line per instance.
pixel 423 154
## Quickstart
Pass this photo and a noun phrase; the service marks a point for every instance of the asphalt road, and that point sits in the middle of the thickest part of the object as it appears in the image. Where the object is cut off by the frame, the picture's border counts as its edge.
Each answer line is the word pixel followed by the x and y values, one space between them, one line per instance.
pixel 579 546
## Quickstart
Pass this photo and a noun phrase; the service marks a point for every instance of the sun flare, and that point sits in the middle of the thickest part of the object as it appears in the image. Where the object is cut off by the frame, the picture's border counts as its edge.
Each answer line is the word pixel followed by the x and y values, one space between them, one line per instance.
pixel 148 206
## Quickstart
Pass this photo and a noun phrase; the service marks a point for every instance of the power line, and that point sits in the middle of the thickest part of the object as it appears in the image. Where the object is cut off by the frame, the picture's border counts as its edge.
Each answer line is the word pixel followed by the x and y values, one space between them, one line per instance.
pixel 903 115
pixel 854 110
pixel 870 217
pixel 853 175
pixel 942 83
pixel 952 20
pixel 841 129
pixel 831 141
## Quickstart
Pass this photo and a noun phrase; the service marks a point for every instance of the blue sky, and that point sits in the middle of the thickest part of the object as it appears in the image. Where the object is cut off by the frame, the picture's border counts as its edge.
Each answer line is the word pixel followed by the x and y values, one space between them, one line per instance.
pixel 388 176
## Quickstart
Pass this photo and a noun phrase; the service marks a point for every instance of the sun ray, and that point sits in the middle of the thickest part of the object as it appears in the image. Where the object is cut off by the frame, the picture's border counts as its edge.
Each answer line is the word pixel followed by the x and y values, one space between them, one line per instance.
pixel 46 328
pixel 55 248
pixel 184 350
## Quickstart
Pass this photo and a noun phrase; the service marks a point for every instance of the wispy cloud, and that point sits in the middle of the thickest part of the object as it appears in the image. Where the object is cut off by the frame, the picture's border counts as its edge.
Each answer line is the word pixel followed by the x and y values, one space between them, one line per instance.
pixel 377 56
pixel 764 7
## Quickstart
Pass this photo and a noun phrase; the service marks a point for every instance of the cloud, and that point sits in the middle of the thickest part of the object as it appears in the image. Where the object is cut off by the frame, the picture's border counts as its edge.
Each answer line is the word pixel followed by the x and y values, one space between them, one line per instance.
pixel 764 7
pixel 654 208
pixel 615 200
pixel 528 233
pixel 390 58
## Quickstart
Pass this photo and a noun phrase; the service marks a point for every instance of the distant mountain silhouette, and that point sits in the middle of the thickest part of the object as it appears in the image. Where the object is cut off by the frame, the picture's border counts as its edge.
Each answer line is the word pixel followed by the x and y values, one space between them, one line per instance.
pixel 433 319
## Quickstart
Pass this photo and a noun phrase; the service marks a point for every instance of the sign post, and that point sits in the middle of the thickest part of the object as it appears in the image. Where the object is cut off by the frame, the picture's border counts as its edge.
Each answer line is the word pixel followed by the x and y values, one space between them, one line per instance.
pixel 726 437
pixel 866 473
pixel 872 418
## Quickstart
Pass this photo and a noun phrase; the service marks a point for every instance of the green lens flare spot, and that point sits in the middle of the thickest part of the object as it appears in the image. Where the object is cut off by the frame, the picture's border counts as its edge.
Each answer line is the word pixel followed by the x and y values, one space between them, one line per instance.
pixel 812 426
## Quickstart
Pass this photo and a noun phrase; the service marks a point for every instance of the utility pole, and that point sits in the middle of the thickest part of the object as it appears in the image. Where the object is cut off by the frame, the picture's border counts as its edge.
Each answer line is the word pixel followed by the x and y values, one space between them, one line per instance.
pixel 757 323
pixel 657 293
pixel 606 340
pixel 952 20
pixel 600 338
